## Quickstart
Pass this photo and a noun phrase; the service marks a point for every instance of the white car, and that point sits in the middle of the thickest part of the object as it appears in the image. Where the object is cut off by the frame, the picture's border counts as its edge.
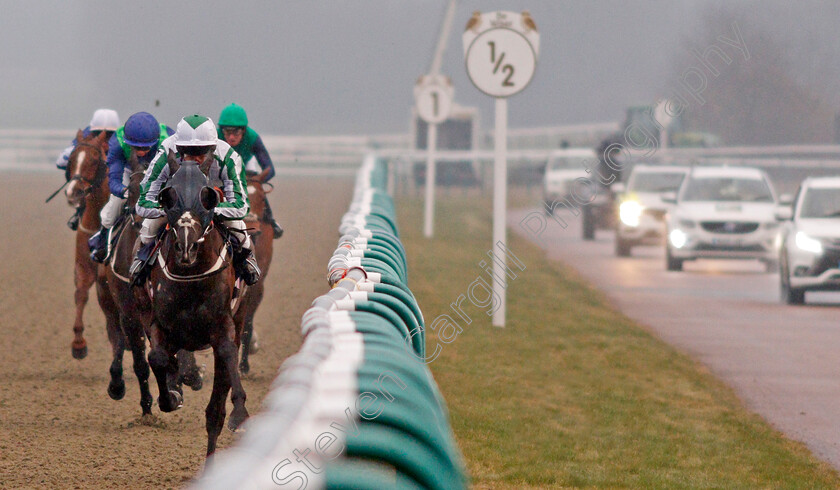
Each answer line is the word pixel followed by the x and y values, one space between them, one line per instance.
pixel 809 243
pixel 722 213
pixel 563 168
pixel 641 211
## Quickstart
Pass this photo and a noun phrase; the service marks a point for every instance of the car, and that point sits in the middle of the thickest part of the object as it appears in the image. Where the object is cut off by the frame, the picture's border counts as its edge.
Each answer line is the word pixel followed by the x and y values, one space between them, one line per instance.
pixel 722 212
pixel 641 211
pixel 563 168
pixel 809 240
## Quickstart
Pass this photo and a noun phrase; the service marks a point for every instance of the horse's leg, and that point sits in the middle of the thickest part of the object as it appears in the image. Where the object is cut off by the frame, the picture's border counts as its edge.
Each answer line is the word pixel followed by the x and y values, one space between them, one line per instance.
pixel 83 277
pixel 228 351
pixel 137 343
pixel 215 411
pixel 188 371
pixel 163 365
pixel 116 388
pixel 244 366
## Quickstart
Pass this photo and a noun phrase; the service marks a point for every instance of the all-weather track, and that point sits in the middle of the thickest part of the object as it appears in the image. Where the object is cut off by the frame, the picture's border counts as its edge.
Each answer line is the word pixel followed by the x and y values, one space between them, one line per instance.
pixel 781 360
pixel 58 427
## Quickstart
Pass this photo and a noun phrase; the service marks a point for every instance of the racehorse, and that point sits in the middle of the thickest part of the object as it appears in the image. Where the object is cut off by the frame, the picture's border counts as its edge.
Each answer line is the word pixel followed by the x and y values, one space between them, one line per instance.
pixel 126 314
pixel 263 249
pixel 123 312
pixel 194 295
pixel 87 186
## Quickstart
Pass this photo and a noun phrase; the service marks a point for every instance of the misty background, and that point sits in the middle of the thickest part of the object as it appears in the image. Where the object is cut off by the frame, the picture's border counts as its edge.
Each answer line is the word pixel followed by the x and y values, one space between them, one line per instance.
pixel 327 67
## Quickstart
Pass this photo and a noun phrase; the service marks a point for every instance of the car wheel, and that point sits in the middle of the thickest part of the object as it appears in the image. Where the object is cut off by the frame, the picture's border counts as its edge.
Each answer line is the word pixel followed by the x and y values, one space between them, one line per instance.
pixel 790 295
pixel 622 247
pixel 672 263
pixel 588 223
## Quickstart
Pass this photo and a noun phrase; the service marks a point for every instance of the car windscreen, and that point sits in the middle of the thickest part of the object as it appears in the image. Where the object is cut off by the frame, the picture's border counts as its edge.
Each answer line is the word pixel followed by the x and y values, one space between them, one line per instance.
pixel 656 182
pixel 727 189
pixel 567 163
pixel 820 203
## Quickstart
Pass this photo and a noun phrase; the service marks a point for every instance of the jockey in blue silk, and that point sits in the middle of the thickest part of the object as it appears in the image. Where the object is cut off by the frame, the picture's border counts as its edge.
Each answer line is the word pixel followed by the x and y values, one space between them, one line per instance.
pixel 103 120
pixel 233 128
pixel 195 137
pixel 143 135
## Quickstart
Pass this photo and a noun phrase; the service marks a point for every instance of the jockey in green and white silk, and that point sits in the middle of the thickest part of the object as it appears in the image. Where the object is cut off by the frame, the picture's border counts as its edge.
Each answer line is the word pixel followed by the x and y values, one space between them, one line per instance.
pixel 194 137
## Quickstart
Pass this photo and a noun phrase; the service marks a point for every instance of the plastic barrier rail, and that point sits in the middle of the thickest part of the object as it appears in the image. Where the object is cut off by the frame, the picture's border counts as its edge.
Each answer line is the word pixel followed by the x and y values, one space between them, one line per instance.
pixel 356 407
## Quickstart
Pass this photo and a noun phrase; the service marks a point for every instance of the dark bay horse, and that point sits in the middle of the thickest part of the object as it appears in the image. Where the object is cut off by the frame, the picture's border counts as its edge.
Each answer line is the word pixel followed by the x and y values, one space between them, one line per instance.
pixel 87 183
pixel 193 296
pixel 129 314
pixel 263 249
pixel 126 315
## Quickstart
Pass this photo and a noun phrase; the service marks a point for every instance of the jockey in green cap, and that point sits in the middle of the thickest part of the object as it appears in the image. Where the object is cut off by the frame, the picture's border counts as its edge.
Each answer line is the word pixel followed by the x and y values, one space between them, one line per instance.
pixel 195 139
pixel 233 129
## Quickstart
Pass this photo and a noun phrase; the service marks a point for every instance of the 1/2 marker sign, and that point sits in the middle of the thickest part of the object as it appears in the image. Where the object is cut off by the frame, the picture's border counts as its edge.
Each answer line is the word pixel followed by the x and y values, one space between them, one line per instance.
pixel 433 98
pixel 500 49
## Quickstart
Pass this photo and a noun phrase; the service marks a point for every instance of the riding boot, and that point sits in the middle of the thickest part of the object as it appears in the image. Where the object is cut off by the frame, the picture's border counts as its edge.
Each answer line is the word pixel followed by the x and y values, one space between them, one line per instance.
pixel 268 217
pixel 73 222
pixel 140 267
pixel 98 245
pixel 245 265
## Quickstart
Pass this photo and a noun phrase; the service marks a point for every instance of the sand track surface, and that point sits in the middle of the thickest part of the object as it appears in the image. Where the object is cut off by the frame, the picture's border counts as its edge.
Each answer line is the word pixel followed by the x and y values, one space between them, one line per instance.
pixel 58 427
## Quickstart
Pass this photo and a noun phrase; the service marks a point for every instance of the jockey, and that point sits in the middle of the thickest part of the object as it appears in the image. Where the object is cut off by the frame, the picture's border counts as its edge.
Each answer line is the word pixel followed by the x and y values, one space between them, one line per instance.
pixel 233 128
pixel 194 137
pixel 103 120
pixel 143 134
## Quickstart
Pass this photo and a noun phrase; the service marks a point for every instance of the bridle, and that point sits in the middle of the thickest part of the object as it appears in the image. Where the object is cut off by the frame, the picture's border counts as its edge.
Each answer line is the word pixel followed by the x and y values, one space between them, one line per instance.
pixel 101 170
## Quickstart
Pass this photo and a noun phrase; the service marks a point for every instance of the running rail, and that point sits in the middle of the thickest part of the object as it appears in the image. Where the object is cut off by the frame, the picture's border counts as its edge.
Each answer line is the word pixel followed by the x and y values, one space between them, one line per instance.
pixel 356 407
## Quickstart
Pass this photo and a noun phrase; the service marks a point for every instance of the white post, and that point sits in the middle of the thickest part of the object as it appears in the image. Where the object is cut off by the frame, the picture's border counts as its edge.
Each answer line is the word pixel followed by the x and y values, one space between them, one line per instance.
pixel 431 180
pixel 500 208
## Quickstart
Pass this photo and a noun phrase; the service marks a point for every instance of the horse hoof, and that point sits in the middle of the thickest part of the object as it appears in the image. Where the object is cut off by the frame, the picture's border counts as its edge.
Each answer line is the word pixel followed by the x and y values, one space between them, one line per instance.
pixel 171 403
pixel 195 381
pixel 79 353
pixel 236 419
pixel 116 390
pixel 244 367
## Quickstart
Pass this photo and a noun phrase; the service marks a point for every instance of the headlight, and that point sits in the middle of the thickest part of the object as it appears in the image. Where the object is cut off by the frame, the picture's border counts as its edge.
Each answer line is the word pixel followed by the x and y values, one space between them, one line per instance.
pixel 678 238
pixel 630 212
pixel 687 223
pixel 808 244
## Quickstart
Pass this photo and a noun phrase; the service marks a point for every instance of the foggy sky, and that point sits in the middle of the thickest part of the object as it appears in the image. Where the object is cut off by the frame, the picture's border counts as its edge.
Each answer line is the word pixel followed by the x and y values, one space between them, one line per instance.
pixel 349 67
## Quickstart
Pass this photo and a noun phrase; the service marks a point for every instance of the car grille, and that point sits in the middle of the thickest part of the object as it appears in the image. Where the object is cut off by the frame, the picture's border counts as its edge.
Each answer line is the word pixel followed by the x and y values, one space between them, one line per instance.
pixel 829 260
pixel 729 227
pixel 708 247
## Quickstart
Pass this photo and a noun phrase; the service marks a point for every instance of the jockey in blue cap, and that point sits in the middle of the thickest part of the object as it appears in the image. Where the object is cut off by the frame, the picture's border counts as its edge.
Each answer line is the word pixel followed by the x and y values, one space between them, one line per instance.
pixel 103 120
pixel 141 134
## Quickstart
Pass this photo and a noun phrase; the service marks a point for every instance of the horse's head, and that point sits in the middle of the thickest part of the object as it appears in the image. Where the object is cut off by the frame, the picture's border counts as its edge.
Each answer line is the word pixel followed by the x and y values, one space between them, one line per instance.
pixel 86 168
pixel 136 172
pixel 256 197
pixel 188 201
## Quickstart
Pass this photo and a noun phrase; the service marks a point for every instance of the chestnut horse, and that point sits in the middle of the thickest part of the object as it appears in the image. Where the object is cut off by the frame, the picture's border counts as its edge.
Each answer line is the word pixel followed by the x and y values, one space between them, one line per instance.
pixel 88 186
pixel 194 296
pixel 262 235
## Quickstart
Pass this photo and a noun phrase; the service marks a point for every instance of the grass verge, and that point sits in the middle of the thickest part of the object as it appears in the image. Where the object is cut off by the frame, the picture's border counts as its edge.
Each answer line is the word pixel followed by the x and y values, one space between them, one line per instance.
pixel 572 393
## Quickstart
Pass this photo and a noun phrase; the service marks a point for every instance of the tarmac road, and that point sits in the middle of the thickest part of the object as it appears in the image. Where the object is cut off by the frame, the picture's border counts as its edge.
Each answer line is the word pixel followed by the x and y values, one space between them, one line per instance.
pixel 783 361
